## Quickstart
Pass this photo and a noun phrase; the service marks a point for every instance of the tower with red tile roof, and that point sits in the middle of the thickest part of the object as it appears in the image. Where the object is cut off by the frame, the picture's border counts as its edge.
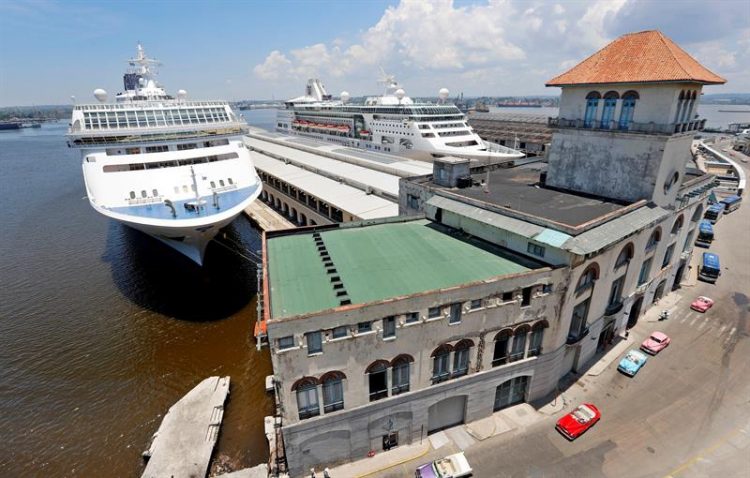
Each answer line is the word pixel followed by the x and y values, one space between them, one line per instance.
pixel 628 114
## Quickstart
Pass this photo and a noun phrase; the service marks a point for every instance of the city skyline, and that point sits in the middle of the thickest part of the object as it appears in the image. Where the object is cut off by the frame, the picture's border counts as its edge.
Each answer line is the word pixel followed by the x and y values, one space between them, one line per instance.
pixel 54 50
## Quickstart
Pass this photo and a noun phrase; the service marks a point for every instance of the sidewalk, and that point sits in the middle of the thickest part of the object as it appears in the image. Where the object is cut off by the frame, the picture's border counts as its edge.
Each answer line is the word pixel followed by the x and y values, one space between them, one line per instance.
pixel 380 462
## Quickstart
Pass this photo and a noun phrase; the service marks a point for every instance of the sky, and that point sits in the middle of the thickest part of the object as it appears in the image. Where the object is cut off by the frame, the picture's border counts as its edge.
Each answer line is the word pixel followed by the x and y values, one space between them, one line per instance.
pixel 52 50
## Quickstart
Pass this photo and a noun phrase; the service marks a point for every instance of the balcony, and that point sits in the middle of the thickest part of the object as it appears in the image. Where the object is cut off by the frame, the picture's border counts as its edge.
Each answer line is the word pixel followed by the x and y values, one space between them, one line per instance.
pixel 574 339
pixel 613 308
pixel 632 127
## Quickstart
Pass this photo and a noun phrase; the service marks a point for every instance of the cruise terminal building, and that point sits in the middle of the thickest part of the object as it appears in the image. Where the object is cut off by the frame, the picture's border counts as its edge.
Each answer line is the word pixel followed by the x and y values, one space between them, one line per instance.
pixel 493 284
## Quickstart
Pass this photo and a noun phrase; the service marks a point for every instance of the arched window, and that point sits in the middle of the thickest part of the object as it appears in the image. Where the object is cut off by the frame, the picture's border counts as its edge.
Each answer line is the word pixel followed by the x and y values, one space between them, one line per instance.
pixel 680 104
pixel 625 255
pixel 511 392
pixel 678 224
pixel 608 113
pixel 592 103
pixel 377 375
pixel 654 239
pixel 307 397
pixel 628 107
pixel 400 373
pixel 440 363
pixel 333 391
pixel 500 355
pixel 588 277
pixel 461 357
pixel 518 349
pixel 537 335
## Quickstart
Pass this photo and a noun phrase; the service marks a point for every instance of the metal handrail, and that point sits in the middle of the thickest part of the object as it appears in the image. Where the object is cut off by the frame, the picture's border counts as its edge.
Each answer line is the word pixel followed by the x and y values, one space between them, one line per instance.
pixel 631 126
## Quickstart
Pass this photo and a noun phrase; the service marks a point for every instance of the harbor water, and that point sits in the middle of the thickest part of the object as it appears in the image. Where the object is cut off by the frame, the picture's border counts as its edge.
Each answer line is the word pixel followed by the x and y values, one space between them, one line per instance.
pixel 102 328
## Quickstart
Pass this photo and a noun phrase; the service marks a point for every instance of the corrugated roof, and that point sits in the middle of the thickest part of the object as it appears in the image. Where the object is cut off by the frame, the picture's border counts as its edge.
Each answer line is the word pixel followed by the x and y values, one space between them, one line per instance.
pixel 613 231
pixel 347 198
pixel 641 57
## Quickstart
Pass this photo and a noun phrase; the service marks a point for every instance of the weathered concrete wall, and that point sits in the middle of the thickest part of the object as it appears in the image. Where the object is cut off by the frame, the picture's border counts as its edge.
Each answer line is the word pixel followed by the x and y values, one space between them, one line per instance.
pixel 624 166
pixel 355 352
pixel 350 434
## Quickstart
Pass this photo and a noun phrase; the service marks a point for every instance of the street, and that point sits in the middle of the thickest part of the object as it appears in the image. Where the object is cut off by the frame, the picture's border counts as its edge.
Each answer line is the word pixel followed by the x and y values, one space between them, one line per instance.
pixel 685 414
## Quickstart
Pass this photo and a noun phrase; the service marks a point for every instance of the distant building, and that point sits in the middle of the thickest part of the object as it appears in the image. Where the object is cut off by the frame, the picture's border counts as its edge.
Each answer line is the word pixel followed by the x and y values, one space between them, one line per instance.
pixel 384 331
pixel 528 133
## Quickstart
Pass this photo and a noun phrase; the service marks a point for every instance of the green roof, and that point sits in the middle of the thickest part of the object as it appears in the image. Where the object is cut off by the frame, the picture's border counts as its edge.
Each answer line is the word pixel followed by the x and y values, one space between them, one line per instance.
pixel 374 263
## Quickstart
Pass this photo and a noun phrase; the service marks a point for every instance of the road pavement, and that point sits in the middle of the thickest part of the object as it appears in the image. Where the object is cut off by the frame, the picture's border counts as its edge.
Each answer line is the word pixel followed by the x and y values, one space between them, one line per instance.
pixel 686 414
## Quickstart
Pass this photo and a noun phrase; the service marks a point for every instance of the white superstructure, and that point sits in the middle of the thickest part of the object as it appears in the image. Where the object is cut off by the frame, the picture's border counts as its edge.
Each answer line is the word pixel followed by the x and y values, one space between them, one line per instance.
pixel 175 169
pixel 391 123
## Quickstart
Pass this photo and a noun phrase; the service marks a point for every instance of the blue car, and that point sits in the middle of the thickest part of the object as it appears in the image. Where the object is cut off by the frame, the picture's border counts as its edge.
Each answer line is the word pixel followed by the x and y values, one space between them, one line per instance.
pixel 632 362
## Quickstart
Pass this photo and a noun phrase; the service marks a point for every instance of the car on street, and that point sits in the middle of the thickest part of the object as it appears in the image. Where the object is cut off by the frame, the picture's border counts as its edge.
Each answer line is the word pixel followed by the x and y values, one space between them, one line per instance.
pixel 453 466
pixel 655 343
pixel 632 362
pixel 575 423
pixel 702 304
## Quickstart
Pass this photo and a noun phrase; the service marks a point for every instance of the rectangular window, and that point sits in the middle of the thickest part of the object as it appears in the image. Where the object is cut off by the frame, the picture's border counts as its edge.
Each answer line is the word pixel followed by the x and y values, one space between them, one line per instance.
pixel 314 343
pixel 307 402
pixel 389 327
pixel 507 296
pixel 434 312
pixel 476 304
pixel 547 289
pixel 455 315
pixel 535 249
pixel 364 327
pixel 286 342
pixel 645 271
pixel 412 201
pixel 333 395
pixel 340 332
pixel 412 317
pixel 578 327
pixel 525 296
pixel 400 378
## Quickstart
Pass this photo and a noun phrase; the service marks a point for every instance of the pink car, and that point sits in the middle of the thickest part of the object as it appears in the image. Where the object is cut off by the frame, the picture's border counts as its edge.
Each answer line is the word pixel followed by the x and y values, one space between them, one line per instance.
pixel 702 304
pixel 655 343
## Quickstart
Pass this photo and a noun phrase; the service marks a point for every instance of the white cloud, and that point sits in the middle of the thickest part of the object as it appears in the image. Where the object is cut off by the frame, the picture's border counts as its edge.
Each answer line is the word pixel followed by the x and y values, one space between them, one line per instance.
pixel 497 47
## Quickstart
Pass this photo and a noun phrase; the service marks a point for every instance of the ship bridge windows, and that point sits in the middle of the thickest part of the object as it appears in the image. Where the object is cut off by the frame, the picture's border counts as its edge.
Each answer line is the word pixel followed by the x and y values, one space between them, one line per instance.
pixel 112 168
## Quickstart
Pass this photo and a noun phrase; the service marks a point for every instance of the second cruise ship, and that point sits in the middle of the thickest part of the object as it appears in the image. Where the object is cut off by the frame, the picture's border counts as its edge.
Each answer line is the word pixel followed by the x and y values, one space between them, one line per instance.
pixel 175 169
pixel 391 123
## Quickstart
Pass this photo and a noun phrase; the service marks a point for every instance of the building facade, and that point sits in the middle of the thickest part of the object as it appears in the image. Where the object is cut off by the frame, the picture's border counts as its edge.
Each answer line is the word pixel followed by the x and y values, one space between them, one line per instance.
pixel 494 283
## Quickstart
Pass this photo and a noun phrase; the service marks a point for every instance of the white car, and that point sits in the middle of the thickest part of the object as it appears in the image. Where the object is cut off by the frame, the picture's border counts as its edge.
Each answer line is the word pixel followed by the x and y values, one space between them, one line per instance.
pixel 453 466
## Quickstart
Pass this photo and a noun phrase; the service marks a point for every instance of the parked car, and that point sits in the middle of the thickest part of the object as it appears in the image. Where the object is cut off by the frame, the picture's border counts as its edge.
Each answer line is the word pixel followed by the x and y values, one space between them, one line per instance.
pixel 702 304
pixel 632 362
pixel 657 342
pixel 453 466
pixel 575 423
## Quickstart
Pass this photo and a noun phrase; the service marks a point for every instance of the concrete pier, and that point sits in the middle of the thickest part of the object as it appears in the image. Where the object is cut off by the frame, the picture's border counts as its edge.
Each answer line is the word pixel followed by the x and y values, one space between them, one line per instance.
pixel 266 218
pixel 183 444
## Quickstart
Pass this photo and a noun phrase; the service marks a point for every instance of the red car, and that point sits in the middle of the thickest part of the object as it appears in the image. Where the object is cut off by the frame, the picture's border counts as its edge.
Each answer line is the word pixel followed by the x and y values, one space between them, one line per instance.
pixel 575 423
pixel 702 304
pixel 657 342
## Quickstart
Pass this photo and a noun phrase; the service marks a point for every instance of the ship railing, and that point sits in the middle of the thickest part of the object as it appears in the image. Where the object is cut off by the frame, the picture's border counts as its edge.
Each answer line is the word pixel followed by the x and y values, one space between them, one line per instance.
pixel 99 132
pixel 145 201
pixel 145 104
pixel 498 148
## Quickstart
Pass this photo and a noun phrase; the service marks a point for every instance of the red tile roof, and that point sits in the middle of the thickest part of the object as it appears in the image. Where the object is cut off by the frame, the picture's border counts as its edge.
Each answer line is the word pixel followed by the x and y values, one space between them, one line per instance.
pixel 642 57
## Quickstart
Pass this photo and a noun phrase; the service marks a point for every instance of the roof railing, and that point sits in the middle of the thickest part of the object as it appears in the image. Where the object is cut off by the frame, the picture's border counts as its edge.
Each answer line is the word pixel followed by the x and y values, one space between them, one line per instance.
pixel 631 126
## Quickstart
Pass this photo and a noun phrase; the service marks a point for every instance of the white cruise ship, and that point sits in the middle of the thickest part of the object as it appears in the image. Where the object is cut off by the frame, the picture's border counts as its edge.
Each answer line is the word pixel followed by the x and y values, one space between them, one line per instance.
pixel 391 123
pixel 175 169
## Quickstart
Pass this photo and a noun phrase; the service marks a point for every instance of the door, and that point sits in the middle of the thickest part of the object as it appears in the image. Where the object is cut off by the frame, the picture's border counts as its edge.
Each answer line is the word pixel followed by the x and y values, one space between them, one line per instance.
pixel 635 312
pixel 511 392
pixel 446 413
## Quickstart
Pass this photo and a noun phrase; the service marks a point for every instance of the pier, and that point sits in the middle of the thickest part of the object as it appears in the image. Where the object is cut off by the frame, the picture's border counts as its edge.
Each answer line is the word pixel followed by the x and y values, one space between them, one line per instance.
pixel 266 218
pixel 184 442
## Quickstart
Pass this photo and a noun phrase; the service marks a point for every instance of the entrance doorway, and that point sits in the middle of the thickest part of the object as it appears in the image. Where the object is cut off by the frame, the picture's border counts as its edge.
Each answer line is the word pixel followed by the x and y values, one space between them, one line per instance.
pixel 390 441
pixel 511 392
pixel 659 293
pixel 635 312
pixel 606 336
pixel 446 413
pixel 678 277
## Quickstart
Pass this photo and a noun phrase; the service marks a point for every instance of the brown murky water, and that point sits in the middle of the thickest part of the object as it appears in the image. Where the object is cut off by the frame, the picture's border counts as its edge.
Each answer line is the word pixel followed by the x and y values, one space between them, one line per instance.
pixel 102 329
